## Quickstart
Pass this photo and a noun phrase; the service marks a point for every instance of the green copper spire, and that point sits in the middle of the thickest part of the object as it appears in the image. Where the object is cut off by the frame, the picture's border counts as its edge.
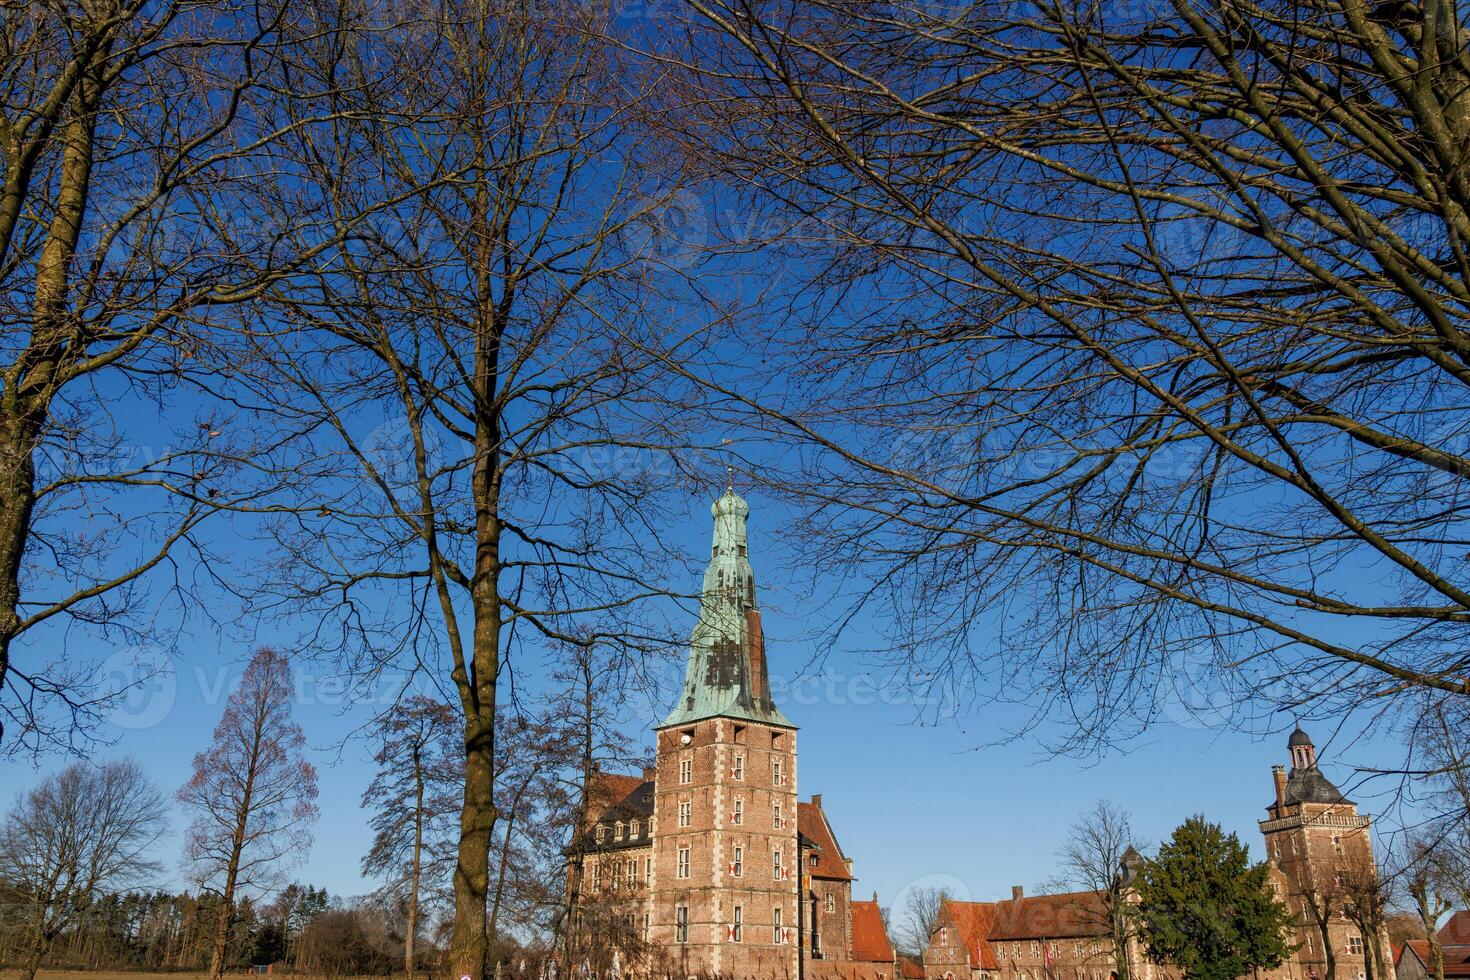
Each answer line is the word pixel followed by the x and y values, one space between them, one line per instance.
pixel 727 676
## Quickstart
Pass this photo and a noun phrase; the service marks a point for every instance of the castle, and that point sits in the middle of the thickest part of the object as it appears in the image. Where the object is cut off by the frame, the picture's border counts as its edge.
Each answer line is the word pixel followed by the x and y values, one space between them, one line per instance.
pixel 711 866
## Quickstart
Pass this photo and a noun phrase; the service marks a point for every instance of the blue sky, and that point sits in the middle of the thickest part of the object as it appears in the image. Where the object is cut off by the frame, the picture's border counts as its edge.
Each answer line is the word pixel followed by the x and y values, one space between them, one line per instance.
pixel 937 803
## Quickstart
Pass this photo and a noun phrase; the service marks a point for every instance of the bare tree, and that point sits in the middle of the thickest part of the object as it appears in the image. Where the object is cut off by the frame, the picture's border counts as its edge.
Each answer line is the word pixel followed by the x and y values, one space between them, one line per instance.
pixel 1130 321
pixel 1099 856
pixel 82 831
pixel 1368 896
pixel 252 793
pixel 1424 880
pixel 495 328
pixel 134 135
pixel 414 797
pixel 920 917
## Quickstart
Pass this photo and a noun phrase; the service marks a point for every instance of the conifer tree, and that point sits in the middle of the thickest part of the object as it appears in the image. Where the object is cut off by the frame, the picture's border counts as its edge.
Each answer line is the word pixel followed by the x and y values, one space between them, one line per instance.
pixel 1204 908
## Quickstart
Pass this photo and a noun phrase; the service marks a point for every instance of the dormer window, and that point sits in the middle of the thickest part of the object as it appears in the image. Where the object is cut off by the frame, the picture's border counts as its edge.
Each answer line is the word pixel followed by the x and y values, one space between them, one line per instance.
pixel 601 834
pixel 633 829
pixel 618 830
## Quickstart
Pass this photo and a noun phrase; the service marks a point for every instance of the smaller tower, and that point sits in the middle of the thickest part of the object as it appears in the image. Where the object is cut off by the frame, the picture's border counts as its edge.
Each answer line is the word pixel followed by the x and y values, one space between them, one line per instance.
pixel 1321 856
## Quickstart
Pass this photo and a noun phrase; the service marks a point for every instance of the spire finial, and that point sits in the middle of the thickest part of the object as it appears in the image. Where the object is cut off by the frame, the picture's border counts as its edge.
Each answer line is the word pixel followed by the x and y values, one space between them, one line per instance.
pixel 729 479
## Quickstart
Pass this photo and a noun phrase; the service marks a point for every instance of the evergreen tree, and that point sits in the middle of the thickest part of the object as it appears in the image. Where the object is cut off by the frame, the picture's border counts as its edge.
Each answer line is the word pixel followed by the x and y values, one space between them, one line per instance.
pixel 1204 908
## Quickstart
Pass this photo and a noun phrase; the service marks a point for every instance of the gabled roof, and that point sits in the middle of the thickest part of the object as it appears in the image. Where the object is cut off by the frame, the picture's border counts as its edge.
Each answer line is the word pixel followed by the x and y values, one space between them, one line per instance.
pixel 910 968
pixel 972 921
pixel 811 823
pixel 869 936
pixel 1062 916
pixel 1456 956
pixel 609 789
pixel 1456 932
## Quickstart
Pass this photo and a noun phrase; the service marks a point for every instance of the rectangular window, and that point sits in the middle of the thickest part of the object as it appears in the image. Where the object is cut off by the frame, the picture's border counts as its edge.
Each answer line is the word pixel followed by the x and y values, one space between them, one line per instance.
pixel 597 875
pixel 737 771
pixel 1337 843
pixel 736 925
pixel 776 815
pixel 646 923
pixel 831 903
pixel 1355 945
pixel 778 935
pixel 738 817
pixel 778 777
pixel 681 923
pixel 618 830
pixel 630 873
pixel 737 867
pixel 686 811
pixel 683 871
pixel 776 864
pixel 686 771
pixel 648 871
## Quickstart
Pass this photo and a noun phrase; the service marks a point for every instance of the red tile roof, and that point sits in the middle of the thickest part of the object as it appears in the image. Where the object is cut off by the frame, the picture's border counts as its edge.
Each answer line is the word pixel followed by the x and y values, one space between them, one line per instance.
pixel 910 968
pixel 609 789
pixel 1061 916
pixel 869 936
pixel 1456 956
pixel 1456 932
pixel 972 920
pixel 812 823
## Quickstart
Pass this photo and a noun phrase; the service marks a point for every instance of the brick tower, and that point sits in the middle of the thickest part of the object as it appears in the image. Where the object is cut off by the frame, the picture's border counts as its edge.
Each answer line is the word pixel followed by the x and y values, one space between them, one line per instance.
pixel 1321 854
pixel 725 889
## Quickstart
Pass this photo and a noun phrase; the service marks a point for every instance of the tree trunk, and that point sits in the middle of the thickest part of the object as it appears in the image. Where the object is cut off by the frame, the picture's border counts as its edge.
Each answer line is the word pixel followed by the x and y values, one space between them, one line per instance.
pixel 27 395
pixel 418 851
pixel 33 961
pixel 469 945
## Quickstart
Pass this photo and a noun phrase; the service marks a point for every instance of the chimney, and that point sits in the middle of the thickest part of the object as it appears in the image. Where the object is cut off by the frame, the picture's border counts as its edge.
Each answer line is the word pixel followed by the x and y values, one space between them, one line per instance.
pixel 817 800
pixel 1017 893
pixel 1278 774
pixel 648 773
pixel 758 692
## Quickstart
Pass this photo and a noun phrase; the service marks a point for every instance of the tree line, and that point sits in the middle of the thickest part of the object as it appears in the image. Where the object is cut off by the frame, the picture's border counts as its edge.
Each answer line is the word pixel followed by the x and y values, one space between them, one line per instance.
pixel 75 848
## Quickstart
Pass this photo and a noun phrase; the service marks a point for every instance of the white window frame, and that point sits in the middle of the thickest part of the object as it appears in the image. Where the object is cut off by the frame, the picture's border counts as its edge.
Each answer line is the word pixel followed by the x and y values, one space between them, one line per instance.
pixel 682 867
pixel 686 771
pixel 681 924
pixel 686 813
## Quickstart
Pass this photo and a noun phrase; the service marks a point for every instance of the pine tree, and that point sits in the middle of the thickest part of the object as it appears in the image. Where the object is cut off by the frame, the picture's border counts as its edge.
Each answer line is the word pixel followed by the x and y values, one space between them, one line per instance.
pixel 1204 908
